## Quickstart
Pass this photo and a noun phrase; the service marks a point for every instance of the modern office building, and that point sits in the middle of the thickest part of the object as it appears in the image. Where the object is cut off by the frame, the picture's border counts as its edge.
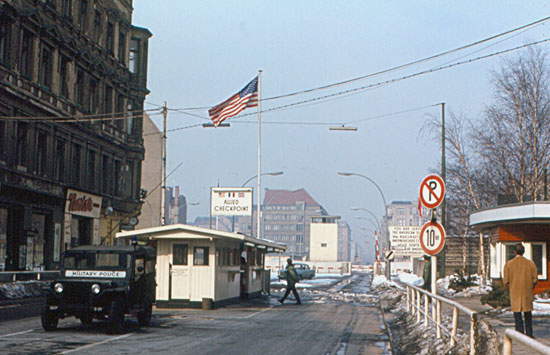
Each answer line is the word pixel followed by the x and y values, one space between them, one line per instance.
pixel 175 206
pixel 286 217
pixel 73 80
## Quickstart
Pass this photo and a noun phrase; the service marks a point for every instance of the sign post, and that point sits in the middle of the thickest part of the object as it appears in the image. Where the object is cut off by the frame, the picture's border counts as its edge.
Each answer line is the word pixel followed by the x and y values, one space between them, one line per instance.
pixel 432 234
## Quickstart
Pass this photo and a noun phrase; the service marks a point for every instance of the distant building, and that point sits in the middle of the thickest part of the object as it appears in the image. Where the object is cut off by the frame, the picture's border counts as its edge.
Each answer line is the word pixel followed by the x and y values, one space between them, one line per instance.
pixel 221 223
pixel 175 206
pixel 151 176
pixel 323 238
pixel 287 217
pixel 344 241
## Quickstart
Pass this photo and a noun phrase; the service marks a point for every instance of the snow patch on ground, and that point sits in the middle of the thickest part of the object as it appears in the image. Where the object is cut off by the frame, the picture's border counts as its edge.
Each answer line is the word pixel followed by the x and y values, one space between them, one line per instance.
pixel 380 281
pixel 21 289
pixel 318 281
pixel 477 290
pixel 411 279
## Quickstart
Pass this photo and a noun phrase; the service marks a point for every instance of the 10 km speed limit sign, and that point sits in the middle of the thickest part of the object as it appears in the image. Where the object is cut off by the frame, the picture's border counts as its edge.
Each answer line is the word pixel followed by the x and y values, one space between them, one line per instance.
pixel 432 238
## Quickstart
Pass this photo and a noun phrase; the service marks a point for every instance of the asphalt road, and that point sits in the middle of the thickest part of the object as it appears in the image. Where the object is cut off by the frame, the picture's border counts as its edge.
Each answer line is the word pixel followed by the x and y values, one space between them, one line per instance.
pixel 338 320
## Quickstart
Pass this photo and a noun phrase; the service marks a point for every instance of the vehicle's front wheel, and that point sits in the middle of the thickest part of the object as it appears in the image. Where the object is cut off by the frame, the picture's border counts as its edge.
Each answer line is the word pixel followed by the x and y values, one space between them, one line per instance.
pixel 144 316
pixel 116 318
pixel 49 320
pixel 86 320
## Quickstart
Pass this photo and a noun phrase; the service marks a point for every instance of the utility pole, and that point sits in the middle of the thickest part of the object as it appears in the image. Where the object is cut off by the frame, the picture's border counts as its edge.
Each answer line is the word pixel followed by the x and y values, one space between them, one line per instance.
pixel 441 265
pixel 163 155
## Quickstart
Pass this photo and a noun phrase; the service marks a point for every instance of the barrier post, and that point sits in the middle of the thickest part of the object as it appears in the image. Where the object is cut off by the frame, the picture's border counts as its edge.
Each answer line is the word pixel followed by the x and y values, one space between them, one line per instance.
pixel 426 310
pixel 473 334
pixel 507 346
pixel 417 307
pixel 455 326
pixel 438 319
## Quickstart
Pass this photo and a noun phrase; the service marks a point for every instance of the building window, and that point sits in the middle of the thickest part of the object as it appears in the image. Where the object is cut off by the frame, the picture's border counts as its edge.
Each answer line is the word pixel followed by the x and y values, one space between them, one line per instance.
pixel 91 173
pixel 5 44
pixel 133 56
pixel 41 153
pixel 119 122
pixel 179 254
pixel 118 178
pixel 94 96
pixel 26 54
pixel 122 47
pixel 2 140
pixel 200 256
pixel 79 87
pixel 97 27
pixel 83 15
pixel 76 165
pixel 106 178
pixel 60 160
pixel 108 100
pixel 110 44
pixel 63 76
pixel 323 245
pixel 21 143
pixel 67 8
pixel 46 67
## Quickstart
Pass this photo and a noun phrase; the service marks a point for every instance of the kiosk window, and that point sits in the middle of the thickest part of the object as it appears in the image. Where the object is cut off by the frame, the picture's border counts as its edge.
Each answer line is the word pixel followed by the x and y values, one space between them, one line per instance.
pixel 536 255
pixel 200 256
pixel 179 252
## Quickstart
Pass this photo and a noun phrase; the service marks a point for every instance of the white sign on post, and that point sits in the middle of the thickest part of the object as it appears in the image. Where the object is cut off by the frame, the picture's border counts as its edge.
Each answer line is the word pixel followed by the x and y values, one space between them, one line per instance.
pixel 404 241
pixel 231 201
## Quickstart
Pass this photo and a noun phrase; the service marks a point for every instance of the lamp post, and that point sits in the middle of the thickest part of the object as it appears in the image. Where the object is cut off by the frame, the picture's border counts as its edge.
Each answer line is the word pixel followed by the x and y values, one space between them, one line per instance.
pixel 388 270
pixel 378 228
pixel 275 173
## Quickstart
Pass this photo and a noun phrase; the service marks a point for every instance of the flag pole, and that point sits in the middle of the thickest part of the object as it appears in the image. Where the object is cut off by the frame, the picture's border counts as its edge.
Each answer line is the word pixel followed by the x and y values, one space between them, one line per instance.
pixel 259 193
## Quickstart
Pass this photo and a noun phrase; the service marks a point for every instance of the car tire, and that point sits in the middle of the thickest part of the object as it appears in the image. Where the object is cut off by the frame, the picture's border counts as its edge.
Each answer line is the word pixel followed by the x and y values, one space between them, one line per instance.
pixel 87 320
pixel 116 318
pixel 49 320
pixel 144 316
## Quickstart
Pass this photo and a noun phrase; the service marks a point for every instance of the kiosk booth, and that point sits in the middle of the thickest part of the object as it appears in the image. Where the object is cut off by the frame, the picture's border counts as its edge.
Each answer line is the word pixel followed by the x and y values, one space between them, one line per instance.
pixel 199 265
pixel 527 223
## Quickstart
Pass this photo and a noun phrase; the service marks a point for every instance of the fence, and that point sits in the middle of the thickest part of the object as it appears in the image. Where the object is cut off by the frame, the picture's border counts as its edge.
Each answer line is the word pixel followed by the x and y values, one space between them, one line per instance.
pixel 12 276
pixel 422 312
pixel 532 344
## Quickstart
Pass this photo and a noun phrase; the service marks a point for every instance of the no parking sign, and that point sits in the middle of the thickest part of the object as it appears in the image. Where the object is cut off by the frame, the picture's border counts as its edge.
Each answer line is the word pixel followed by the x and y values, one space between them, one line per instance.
pixel 432 191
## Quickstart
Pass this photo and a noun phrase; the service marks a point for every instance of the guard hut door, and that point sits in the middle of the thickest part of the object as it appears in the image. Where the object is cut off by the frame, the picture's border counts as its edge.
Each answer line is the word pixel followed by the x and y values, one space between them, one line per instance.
pixel 179 272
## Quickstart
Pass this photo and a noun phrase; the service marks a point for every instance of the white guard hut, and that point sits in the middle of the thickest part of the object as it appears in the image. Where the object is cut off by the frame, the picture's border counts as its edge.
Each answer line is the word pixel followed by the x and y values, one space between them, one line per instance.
pixel 197 265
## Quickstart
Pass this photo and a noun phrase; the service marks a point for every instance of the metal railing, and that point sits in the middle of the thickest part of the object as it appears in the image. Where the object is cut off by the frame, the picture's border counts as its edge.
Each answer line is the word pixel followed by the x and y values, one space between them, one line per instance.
pixel 421 310
pixel 532 344
pixel 13 276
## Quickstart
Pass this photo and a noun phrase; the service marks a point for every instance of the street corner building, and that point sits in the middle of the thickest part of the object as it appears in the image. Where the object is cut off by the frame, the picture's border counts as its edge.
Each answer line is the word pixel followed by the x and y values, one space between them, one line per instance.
pixel 73 82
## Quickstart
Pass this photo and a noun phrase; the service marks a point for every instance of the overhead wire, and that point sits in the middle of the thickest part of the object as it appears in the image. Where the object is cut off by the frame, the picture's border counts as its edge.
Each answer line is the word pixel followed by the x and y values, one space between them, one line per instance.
pixel 402 66
pixel 78 118
pixel 352 91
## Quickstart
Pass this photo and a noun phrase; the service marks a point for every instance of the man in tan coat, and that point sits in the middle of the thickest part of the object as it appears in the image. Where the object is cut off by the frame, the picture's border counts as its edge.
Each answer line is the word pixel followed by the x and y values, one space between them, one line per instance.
pixel 520 276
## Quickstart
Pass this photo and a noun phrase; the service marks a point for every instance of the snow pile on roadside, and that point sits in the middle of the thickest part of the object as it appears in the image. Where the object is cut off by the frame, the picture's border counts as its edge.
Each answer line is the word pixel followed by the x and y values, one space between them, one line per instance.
pixel 411 279
pixel 21 289
pixel 380 281
pixel 444 289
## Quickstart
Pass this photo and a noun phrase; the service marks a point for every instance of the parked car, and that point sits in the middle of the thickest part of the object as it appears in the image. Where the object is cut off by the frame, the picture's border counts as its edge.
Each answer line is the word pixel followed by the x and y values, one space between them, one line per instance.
pixel 303 271
pixel 106 283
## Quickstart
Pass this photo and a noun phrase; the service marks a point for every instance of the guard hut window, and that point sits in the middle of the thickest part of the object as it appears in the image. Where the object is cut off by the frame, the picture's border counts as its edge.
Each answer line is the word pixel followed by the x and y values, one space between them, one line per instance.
pixel 200 256
pixel 179 254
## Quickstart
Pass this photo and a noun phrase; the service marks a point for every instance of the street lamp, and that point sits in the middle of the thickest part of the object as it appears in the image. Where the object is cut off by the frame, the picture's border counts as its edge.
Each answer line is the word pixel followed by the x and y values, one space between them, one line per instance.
pixel 388 272
pixel 370 213
pixel 275 173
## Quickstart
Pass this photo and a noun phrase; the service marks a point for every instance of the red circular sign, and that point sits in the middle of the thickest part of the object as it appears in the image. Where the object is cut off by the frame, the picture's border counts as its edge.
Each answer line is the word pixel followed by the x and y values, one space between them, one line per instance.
pixel 432 238
pixel 432 191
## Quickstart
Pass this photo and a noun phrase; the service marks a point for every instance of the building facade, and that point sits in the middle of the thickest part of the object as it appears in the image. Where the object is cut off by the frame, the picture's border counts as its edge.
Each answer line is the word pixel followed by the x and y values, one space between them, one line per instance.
pixel 73 82
pixel 175 208
pixel 344 241
pixel 286 218
pixel 151 176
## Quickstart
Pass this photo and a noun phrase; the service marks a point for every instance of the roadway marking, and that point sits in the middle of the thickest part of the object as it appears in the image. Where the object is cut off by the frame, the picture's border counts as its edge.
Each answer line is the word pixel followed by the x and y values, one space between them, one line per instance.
pixel 94 344
pixel 253 314
pixel 23 332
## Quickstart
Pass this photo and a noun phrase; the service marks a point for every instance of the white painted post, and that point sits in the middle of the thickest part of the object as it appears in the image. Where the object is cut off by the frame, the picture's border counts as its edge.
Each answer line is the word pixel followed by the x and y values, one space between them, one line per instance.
pixel 507 347
pixel 426 310
pixel 434 274
pixel 417 306
pixel 455 326
pixel 473 334
pixel 438 319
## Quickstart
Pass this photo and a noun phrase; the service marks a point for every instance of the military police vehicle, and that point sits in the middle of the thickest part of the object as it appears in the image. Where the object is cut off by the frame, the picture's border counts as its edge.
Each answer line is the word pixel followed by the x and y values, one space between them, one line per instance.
pixel 105 283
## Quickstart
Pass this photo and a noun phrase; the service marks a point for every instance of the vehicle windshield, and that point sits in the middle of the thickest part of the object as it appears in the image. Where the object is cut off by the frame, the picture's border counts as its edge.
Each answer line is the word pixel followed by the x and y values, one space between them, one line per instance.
pixel 96 260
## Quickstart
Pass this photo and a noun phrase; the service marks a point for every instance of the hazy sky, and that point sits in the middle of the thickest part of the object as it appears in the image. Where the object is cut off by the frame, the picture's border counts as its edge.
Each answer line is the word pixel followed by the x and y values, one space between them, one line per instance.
pixel 202 52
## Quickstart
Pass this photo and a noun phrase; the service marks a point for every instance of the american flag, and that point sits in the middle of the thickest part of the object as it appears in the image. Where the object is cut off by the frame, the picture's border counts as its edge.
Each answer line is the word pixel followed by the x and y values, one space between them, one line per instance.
pixel 247 97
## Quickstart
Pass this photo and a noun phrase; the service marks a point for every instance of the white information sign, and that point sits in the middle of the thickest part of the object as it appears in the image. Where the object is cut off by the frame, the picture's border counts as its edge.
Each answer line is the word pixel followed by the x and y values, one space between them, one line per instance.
pixel 231 201
pixel 404 241
pixel 95 274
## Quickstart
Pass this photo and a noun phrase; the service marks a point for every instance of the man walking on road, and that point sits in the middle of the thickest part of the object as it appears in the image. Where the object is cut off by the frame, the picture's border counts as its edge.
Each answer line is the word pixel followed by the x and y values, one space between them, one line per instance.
pixel 520 276
pixel 291 279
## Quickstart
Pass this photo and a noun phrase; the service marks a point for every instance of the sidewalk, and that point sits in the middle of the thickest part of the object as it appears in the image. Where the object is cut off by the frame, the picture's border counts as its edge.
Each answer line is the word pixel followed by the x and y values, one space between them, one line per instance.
pixel 501 321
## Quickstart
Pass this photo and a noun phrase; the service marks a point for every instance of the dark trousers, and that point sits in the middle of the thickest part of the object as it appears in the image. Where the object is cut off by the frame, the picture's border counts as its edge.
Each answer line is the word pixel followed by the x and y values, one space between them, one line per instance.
pixel 528 330
pixel 294 292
